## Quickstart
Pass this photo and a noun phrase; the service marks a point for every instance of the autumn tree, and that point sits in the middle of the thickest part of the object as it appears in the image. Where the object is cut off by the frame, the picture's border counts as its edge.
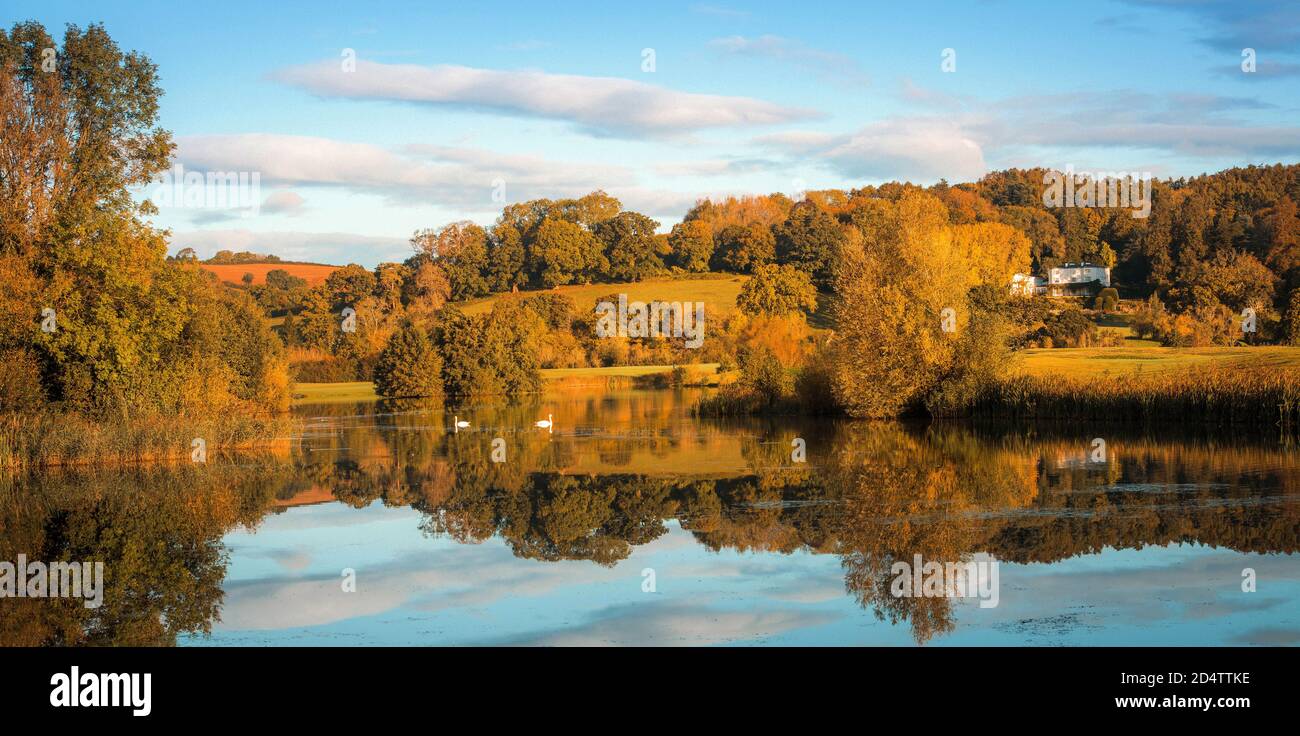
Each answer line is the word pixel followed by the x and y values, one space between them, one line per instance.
pixel 810 239
pixel 902 309
pixel 777 291
pixel 461 249
pixel 995 251
pixel 691 245
pixel 426 288
pixel 567 253
pixel 630 246
pixel 1283 236
pixel 78 141
pixel 742 248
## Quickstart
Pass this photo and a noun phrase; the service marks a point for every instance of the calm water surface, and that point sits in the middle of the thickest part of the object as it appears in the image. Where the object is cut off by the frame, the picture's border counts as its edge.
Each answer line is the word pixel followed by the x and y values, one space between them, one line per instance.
pixel 559 543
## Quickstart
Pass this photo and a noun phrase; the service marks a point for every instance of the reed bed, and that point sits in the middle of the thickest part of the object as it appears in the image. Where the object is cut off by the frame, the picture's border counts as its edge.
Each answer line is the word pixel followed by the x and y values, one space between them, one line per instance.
pixel 1221 397
pixel 33 441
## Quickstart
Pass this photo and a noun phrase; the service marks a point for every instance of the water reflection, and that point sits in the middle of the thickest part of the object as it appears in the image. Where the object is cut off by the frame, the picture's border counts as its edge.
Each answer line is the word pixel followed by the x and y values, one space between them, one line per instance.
pixel 626 470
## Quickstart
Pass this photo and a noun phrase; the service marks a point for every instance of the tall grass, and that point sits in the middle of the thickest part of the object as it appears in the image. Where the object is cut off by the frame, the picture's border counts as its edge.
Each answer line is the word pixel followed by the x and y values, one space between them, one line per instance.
pixel 1222 397
pixel 33 441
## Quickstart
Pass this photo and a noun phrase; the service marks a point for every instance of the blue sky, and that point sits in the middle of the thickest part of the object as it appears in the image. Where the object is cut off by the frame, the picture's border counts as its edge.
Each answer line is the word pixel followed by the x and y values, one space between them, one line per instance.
pixel 452 103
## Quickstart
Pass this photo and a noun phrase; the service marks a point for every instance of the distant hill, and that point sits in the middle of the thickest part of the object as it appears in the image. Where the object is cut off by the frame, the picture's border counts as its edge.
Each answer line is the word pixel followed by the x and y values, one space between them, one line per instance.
pixel 312 273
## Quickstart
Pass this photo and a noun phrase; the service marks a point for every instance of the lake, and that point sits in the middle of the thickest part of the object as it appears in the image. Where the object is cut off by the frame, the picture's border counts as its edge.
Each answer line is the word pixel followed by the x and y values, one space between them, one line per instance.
pixel 631 522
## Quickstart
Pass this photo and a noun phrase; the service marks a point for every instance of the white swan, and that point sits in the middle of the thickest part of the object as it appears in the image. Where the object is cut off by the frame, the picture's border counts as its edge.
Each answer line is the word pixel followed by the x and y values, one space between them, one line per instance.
pixel 544 423
pixel 459 423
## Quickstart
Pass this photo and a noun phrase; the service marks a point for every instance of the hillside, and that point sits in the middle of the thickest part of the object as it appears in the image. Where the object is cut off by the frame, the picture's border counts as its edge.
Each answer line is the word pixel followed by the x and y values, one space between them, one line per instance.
pixel 718 293
pixel 1082 362
pixel 313 273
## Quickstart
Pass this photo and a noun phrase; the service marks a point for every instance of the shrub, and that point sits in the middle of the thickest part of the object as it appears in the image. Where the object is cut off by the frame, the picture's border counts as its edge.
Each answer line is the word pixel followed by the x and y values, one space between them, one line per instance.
pixel 1069 328
pixel 409 366
pixel 1107 300
pixel 762 374
pixel 496 353
pixel 20 382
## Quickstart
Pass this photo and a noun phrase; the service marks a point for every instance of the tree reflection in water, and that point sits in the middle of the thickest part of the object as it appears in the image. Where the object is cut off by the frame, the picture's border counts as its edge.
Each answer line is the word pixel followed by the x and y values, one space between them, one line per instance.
pixel 872 494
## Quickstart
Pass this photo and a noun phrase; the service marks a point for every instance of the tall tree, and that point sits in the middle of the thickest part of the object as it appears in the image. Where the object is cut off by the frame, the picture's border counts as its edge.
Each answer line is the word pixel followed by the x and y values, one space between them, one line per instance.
pixel 810 239
pixel 567 253
pixel 461 249
pixel 691 245
pixel 630 246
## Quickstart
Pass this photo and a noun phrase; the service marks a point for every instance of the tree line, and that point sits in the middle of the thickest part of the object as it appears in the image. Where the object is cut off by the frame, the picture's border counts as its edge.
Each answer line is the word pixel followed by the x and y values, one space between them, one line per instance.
pixel 94 320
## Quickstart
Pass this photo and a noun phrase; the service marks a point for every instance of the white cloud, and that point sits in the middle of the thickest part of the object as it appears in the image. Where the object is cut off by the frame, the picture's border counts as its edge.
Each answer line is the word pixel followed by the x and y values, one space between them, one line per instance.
pixel 915 149
pixel 415 174
pixel 603 105
pixel 315 247
pixel 420 174
pixel 714 167
pixel 824 63
pixel 283 203
pixel 678 624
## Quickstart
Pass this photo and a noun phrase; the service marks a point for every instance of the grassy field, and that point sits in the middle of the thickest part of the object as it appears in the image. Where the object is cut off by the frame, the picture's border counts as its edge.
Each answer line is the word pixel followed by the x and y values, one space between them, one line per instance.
pixel 1119 324
pixel 313 273
pixel 718 293
pixel 332 393
pixel 355 391
pixel 1119 361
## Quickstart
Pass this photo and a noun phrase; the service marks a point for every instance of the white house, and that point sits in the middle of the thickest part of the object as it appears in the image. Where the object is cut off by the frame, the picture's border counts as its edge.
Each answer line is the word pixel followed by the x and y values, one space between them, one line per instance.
pixel 1070 279
pixel 1079 273
pixel 1022 284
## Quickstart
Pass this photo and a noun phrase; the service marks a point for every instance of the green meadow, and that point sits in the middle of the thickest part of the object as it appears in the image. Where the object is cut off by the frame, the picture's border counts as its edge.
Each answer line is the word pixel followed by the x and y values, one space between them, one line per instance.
pixel 1044 362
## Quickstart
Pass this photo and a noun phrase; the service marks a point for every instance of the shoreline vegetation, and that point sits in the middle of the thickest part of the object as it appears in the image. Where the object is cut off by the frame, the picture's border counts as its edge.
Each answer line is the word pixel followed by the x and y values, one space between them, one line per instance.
pixel 1216 397
pixel 39 441
pixel 1224 391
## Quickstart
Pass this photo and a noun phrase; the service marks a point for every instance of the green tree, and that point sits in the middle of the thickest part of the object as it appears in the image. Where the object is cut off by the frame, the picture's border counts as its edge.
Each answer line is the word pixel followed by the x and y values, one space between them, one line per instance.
pixel 409 365
pixel 279 278
pixel 630 246
pixel 762 374
pixel 810 239
pixel 567 253
pixel 691 245
pixel 495 353
pixel 348 285
pixel 777 291
pixel 506 258
pixel 69 228
pixel 461 249
pixel 1107 300
pixel 742 248
pixel 1292 323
